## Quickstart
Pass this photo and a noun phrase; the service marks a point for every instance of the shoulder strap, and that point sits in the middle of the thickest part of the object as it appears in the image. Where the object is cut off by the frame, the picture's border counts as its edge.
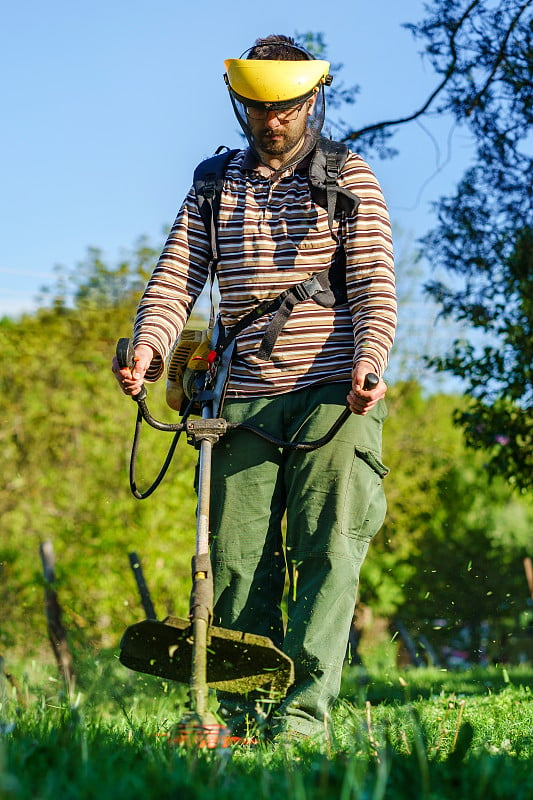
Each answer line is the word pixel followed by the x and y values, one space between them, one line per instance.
pixel 326 165
pixel 208 181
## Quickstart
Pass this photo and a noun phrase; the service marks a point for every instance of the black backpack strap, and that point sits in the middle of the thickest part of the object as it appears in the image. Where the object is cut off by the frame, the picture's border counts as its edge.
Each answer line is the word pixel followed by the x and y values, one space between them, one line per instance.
pixel 312 288
pixel 327 288
pixel 208 182
pixel 326 165
pixel 324 288
pixel 281 306
pixel 318 287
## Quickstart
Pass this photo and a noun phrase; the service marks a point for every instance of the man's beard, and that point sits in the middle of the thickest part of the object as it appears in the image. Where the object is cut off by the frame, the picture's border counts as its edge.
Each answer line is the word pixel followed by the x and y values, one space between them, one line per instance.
pixel 282 144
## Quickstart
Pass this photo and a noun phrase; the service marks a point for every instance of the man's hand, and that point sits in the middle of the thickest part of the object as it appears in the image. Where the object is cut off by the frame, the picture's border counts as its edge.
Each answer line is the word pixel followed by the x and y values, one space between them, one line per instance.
pixel 131 381
pixel 360 400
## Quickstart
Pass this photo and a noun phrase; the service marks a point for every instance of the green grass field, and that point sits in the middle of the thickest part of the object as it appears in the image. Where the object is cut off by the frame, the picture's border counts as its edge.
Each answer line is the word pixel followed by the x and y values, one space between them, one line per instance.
pixel 416 734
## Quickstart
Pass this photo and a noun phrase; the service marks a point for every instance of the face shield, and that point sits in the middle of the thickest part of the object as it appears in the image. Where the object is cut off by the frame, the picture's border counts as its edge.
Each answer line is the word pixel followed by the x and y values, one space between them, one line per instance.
pixel 259 88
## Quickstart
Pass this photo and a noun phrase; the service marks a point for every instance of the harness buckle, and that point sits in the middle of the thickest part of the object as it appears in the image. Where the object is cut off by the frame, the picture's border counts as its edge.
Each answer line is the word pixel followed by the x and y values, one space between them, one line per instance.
pixel 331 169
pixel 308 288
pixel 210 186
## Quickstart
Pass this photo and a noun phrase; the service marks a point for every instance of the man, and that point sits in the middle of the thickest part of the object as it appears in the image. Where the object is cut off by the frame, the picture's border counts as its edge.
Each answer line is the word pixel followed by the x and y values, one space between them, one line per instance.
pixel 272 235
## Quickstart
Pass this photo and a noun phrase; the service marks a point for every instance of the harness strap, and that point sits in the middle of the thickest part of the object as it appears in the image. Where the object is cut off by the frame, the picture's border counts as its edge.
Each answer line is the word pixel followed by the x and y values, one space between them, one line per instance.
pixel 317 287
pixel 331 181
pixel 208 186
pixel 327 287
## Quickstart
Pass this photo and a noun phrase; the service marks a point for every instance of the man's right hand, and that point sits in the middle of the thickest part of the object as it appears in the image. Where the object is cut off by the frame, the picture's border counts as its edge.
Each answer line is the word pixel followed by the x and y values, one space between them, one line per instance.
pixel 131 381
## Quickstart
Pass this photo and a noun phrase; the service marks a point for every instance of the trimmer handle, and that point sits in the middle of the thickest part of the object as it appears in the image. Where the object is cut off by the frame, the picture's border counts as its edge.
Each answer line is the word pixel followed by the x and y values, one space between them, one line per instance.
pixel 125 354
pixel 371 381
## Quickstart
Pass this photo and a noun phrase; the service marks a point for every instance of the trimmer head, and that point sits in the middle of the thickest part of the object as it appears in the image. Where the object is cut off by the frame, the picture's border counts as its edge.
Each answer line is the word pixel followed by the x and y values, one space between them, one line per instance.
pixel 236 662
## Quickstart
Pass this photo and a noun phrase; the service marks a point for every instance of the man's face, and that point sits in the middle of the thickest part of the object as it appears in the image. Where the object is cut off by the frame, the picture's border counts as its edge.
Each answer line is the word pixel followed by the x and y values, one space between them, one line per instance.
pixel 275 135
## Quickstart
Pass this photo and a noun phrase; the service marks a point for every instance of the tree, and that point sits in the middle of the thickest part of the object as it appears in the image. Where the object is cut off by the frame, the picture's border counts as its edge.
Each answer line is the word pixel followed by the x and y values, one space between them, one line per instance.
pixel 485 236
pixel 483 51
pixel 467 567
pixel 65 445
pixel 453 541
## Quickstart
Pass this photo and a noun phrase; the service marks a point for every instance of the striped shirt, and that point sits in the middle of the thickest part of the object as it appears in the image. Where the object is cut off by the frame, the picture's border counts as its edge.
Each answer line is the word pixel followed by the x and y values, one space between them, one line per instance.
pixel 272 235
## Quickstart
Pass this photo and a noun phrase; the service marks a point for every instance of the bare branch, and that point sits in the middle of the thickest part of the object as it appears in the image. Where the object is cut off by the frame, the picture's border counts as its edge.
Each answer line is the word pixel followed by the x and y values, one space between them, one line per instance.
pixel 499 58
pixel 422 110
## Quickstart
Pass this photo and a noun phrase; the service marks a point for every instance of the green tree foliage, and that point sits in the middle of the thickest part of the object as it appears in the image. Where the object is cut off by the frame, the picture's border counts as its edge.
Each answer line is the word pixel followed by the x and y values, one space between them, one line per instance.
pixel 482 52
pixel 453 541
pixel 468 567
pixel 66 441
pixel 484 237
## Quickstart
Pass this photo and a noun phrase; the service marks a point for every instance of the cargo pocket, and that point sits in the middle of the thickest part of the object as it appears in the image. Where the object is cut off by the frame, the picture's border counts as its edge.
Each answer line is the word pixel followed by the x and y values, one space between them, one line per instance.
pixel 365 504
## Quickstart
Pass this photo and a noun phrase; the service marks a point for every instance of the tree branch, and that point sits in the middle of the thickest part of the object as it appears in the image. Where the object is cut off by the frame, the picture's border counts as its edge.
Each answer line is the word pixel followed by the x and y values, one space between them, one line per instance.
pixel 422 110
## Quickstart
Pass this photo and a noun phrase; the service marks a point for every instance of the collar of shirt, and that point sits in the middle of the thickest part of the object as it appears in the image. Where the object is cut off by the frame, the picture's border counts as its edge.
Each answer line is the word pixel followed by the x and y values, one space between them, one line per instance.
pixel 251 162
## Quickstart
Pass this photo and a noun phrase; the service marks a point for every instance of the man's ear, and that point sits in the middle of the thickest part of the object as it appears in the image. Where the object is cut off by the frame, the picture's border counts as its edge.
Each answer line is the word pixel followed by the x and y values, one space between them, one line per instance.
pixel 311 102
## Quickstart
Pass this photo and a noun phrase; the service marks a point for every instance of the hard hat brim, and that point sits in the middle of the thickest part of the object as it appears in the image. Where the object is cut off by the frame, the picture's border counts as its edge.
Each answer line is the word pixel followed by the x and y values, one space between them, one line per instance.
pixel 264 81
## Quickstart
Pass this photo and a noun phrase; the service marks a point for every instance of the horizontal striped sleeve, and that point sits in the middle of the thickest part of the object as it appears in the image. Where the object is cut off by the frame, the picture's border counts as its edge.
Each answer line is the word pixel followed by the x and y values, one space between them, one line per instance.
pixel 370 267
pixel 175 285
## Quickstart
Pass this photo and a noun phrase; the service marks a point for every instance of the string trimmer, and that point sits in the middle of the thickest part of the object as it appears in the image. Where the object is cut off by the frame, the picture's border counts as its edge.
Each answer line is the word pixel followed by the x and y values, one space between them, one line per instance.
pixel 194 651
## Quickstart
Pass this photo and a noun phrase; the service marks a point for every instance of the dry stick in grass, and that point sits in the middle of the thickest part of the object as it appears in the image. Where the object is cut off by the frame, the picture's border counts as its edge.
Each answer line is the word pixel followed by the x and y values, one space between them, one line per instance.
pixel 406 743
pixel 371 739
pixel 458 725
pixel 13 681
pixel 144 593
pixel 528 567
pixel 56 631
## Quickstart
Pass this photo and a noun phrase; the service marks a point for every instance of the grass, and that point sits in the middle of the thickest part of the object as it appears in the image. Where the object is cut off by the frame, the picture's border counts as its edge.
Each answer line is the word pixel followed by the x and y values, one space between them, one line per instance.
pixel 419 734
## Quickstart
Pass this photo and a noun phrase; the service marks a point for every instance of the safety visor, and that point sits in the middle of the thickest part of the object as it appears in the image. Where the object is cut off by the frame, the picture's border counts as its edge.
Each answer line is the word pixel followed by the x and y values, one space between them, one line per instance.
pixel 274 85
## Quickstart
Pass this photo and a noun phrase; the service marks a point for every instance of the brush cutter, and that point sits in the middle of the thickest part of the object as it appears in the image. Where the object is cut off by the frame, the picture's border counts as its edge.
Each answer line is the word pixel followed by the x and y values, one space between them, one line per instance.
pixel 194 651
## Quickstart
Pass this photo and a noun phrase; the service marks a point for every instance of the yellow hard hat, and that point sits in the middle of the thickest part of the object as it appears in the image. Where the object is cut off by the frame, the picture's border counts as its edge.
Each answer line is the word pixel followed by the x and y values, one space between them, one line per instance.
pixel 276 82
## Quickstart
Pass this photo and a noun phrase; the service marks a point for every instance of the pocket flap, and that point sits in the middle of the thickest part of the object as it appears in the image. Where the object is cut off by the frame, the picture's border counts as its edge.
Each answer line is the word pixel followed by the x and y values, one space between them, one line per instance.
pixel 370 458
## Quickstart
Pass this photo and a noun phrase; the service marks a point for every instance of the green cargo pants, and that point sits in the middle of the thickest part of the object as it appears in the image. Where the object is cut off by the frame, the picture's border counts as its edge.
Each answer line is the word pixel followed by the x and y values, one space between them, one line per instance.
pixel 334 501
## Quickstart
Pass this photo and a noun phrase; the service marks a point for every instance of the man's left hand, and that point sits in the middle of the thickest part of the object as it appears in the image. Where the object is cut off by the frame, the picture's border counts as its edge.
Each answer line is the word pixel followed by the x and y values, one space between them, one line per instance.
pixel 361 401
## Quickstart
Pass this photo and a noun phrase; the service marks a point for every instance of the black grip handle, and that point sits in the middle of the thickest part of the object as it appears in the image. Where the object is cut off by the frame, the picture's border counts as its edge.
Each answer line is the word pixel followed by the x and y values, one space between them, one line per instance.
pixel 125 354
pixel 371 381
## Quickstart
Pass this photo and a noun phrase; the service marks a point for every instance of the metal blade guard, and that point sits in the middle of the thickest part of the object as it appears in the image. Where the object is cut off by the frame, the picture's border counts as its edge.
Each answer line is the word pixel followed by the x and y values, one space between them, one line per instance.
pixel 236 662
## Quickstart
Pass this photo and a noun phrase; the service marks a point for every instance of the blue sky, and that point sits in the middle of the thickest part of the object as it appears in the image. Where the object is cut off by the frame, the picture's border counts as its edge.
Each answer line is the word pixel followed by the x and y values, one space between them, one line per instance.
pixel 107 107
